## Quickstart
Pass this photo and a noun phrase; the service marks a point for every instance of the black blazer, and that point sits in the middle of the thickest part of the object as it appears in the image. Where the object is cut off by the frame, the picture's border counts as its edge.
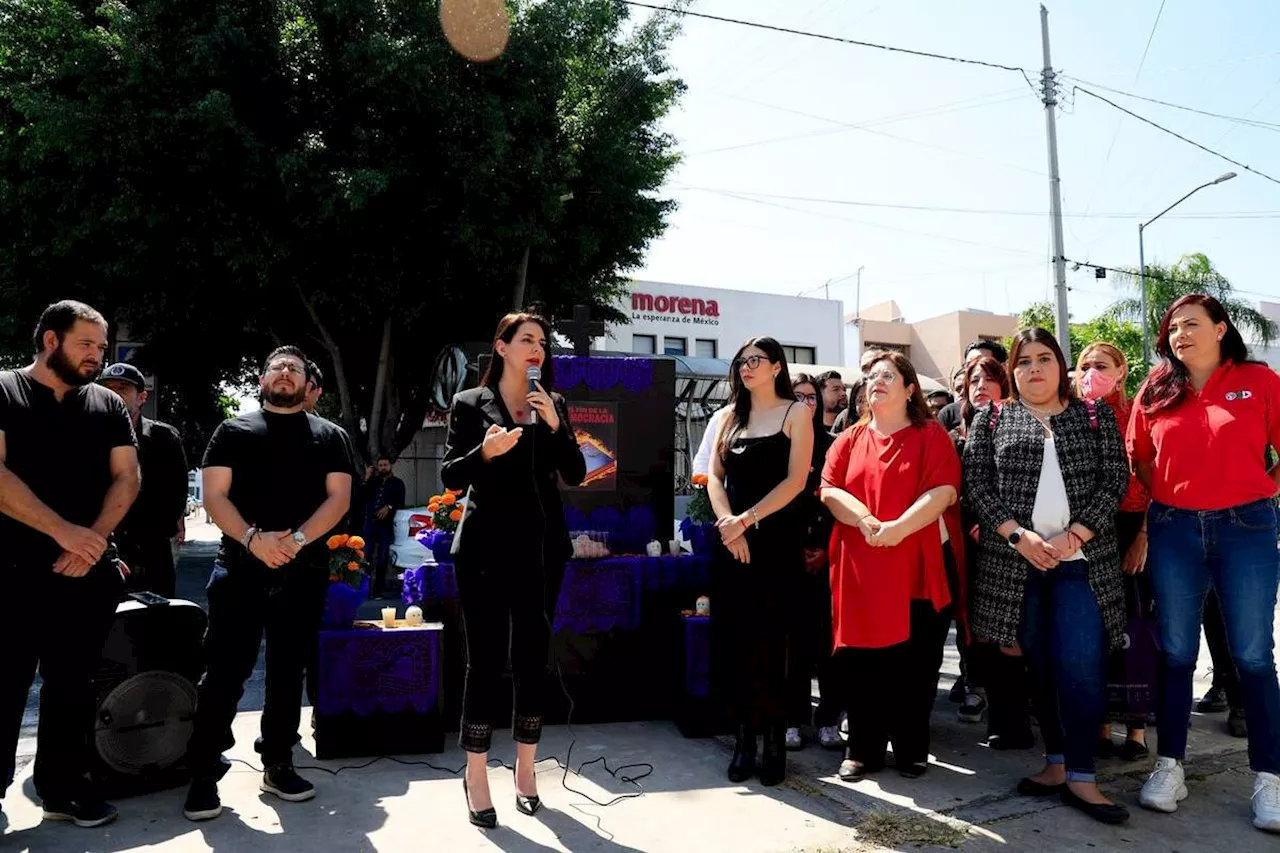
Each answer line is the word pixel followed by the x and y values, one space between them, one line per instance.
pixel 514 499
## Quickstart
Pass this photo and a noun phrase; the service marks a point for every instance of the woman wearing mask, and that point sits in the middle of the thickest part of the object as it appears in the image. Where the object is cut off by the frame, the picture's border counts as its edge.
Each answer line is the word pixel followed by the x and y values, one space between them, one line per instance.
pixel 760 466
pixel 1198 438
pixel 1044 473
pixel 810 648
pixel 891 482
pixel 1101 371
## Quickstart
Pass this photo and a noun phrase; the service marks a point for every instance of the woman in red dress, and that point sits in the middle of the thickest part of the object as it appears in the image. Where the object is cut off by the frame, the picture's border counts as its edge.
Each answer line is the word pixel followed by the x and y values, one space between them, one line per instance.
pixel 892 483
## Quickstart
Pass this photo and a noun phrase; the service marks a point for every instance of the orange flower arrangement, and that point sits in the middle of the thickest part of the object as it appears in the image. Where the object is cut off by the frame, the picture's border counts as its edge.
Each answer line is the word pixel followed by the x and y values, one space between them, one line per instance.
pixel 446 511
pixel 346 559
pixel 699 509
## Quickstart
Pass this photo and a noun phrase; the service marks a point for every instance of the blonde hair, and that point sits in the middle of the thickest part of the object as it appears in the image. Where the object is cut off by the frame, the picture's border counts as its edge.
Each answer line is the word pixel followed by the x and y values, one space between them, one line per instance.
pixel 1113 352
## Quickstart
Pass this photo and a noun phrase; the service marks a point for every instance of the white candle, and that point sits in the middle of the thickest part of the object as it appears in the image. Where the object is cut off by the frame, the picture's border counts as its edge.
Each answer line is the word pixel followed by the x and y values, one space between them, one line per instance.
pixel 388 617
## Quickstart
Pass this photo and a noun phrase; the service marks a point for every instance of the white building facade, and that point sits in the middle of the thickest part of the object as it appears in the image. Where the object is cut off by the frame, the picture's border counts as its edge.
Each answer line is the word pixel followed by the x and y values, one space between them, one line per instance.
pixel 709 322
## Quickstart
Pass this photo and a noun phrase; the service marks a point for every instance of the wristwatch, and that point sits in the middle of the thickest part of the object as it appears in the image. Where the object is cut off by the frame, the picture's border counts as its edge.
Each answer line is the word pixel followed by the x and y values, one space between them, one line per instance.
pixel 1015 537
pixel 300 538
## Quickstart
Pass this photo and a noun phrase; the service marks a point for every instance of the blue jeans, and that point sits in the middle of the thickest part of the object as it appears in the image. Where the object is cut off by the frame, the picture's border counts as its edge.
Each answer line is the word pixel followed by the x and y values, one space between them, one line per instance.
pixel 1235 551
pixel 1064 641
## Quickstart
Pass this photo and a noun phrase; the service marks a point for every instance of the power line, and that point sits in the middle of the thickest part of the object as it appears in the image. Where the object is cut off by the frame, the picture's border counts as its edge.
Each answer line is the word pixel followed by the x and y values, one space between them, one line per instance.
pixel 1151 277
pixel 826 37
pixel 1152 35
pixel 1173 133
pixel 734 193
pixel 1248 122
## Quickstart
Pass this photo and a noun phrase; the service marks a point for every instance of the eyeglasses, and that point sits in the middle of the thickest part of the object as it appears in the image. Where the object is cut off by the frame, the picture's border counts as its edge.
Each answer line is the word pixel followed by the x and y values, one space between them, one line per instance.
pixel 751 362
pixel 287 367
pixel 882 376
pixel 812 399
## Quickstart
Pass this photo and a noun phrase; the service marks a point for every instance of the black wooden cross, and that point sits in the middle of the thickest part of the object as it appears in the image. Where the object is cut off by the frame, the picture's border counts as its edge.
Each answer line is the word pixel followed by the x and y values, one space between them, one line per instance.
pixel 581 329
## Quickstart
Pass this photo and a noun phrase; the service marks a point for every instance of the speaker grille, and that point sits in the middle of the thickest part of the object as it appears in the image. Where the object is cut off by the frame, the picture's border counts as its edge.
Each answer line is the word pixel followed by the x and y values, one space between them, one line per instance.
pixel 145 722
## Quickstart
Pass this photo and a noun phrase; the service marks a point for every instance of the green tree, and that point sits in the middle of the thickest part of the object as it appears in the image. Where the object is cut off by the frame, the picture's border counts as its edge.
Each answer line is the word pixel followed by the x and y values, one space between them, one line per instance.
pixel 222 176
pixel 1193 273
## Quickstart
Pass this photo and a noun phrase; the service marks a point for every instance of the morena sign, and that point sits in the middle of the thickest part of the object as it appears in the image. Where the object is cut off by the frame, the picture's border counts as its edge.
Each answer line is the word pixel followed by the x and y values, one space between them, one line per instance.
pixel 674 309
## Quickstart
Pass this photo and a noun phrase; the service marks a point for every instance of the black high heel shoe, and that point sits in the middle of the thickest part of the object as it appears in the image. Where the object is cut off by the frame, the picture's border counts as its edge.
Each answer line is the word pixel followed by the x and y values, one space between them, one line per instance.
pixel 773 767
pixel 487 819
pixel 743 764
pixel 528 805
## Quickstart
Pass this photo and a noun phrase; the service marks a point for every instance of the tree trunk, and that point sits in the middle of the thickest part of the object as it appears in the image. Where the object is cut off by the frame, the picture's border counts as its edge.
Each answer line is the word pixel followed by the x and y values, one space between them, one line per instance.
pixel 380 391
pixel 349 419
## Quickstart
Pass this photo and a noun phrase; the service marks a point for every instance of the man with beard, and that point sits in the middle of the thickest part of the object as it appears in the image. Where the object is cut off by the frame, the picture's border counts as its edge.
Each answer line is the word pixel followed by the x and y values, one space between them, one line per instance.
pixel 68 474
pixel 276 482
pixel 157 516
pixel 834 398
pixel 383 495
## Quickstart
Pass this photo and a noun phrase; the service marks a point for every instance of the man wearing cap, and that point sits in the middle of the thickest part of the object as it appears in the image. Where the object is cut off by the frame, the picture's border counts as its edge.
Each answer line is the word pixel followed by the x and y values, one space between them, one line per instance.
pixel 158 515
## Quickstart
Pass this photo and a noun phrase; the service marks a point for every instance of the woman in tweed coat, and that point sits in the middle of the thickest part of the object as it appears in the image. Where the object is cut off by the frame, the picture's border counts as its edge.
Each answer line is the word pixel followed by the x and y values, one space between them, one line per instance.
pixel 1044 474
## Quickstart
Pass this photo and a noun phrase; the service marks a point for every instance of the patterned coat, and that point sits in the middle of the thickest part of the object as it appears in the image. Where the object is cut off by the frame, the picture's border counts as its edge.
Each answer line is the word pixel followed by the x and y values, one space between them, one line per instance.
pixel 1001 475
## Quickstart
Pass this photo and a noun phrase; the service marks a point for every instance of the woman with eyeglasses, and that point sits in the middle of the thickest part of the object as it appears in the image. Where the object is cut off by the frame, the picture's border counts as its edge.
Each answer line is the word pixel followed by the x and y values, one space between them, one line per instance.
pixel 891 481
pixel 810 647
pixel 1044 473
pixel 1198 438
pixel 763 454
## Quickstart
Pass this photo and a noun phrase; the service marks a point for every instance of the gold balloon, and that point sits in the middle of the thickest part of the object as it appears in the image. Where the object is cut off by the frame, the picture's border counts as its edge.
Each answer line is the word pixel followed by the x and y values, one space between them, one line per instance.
pixel 477 29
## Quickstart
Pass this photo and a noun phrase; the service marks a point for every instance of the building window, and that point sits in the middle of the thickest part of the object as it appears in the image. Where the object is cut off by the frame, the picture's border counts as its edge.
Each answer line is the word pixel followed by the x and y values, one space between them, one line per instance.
pixel 644 344
pixel 704 349
pixel 800 355
pixel 675 346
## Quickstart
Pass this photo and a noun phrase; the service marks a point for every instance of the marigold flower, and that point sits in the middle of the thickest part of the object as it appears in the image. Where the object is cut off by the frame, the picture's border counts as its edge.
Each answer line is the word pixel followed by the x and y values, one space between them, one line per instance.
pixel 355 542
pixel 360 554
pixel 433 508
pixel 456 515
pixel 337 541
pixel 353 566
pixel 449 499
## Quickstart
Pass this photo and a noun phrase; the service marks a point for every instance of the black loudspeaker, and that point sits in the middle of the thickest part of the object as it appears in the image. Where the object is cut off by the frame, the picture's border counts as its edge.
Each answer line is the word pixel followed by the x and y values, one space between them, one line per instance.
pixel 146 695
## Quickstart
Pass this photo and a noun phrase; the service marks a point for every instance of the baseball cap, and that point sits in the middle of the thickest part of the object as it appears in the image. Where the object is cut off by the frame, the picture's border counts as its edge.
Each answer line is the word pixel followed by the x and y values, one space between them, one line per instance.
pixel 122 372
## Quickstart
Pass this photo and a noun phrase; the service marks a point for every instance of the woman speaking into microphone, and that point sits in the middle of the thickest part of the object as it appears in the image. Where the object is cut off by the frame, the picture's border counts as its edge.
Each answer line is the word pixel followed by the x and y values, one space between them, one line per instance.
pixel 508 440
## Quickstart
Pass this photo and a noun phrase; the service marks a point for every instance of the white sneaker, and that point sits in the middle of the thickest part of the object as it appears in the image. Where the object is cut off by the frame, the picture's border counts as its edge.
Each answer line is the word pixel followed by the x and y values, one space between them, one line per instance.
pixel 829 737
pixel 793 739
pixel 1165 788
pixel 1266 802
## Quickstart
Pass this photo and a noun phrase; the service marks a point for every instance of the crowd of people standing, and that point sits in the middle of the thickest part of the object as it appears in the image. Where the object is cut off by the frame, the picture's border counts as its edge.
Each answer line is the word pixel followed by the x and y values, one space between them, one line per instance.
pixel 1037 511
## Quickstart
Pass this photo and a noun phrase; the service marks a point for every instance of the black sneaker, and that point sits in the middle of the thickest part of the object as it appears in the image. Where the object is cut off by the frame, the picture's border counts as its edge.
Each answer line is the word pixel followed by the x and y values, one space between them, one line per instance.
pixel 202 800
pixel 1214 702
pixel 87 813
pixel 1236 725
pixel 957 693
pixel 283 781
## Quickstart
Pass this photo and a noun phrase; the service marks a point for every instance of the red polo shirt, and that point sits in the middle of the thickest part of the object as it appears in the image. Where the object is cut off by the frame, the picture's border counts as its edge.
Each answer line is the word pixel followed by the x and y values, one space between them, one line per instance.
pixel 1210 452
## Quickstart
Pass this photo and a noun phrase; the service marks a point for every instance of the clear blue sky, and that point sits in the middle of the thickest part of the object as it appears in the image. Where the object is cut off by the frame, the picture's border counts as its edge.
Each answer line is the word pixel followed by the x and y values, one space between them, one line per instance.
pixel 966 137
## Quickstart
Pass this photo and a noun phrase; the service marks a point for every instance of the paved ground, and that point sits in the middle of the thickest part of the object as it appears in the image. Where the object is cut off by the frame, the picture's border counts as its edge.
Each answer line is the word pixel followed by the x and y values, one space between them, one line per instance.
pixel 967 799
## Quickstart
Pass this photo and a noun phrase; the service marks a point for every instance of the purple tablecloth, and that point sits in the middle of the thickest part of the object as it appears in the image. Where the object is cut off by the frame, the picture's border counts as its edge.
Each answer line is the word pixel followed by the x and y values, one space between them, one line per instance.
pixel 596 596
pixel 368 669
pixel 697 656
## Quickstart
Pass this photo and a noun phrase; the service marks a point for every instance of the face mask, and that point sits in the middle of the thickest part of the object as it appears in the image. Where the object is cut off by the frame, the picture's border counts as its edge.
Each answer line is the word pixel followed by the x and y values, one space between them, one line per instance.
pixel 1095 385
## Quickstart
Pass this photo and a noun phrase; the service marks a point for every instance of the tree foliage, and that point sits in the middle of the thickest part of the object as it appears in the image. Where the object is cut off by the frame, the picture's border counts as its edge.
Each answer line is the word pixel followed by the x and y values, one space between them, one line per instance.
pixel 1193 273
pixel 223 176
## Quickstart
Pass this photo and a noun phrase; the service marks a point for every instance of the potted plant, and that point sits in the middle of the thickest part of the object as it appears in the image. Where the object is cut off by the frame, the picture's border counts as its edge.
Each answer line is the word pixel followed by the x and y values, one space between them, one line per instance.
pixel 445 511
pixel 348 582
pixel 699 526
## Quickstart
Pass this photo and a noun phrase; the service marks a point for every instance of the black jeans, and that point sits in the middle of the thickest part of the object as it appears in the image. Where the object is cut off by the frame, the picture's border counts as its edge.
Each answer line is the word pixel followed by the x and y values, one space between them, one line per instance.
pixel 246 603
pixel 809 652
pixel 378 536
pixel 900 714
pixel 150 562
pixel 68 650
pixel 507 608
pixel 1224 666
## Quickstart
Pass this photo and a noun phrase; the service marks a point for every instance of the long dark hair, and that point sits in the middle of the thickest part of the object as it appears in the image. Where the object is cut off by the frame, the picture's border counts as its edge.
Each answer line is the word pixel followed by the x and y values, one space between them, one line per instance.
pixel 1166 387
pixel 917 408
pixel 507 328
pixel 1045 337
pixel 740 397
pixel 991 369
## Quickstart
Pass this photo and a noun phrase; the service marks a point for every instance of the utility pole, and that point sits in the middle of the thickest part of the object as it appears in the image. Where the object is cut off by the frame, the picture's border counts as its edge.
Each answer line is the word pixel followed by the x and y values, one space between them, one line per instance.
pixel 857 305
pixel 1048 82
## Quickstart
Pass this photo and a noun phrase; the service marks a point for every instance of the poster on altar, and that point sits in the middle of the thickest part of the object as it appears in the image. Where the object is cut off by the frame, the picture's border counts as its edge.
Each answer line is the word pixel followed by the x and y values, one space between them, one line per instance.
pixel 595 425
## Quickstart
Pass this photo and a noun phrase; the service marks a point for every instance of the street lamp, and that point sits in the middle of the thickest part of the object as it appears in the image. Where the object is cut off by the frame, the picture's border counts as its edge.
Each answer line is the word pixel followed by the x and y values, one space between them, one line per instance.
pixel 1142 263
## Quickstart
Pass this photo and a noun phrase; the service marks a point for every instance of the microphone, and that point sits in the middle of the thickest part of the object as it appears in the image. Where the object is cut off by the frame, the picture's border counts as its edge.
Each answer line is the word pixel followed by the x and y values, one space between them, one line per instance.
pixel 534 373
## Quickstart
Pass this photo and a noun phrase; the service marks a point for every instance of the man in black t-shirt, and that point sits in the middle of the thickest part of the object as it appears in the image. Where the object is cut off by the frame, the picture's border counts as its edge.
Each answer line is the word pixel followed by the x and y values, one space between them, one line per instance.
pixel 68 474
pixel 276 482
